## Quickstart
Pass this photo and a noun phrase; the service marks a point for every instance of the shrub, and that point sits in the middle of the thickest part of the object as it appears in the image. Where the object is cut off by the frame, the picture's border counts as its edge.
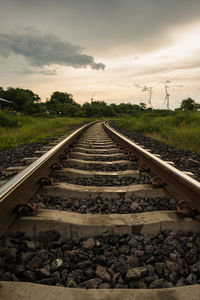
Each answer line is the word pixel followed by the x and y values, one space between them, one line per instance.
pixel 7 120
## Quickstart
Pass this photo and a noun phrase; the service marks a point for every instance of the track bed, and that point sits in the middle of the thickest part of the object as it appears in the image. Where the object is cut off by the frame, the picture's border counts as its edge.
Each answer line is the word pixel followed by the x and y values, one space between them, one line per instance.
pixel 101 223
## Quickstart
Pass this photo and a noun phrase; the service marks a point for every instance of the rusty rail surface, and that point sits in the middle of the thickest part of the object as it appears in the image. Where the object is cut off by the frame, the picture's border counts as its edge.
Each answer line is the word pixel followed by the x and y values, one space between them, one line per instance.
pixel 181 185
pixel 21 187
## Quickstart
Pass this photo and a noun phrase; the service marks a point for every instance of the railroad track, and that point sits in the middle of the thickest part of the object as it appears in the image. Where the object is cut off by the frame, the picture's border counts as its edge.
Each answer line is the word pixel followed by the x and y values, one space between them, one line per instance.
pixel 99 217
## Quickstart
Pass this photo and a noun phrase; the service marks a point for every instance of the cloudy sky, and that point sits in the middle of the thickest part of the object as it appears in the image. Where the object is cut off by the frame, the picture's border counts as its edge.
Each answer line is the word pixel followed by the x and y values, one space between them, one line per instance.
pixel 113 48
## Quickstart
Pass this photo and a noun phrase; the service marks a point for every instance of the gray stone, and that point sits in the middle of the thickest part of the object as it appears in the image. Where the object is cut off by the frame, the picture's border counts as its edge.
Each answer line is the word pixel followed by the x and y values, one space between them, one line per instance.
pixel 30 245
pixel 190 245
pixel 92 283
pixel 151 278
pixel 19 270
pixel 115 278
pixel 26 257
pixel 134 206
pixel 89 272
pixel 197 242
pixel 139 238
pixel 8 276
pixel 56 264
pixel 124 249
pixel 149 249
pixel 122 268
pixel 173 277
pixel 89 244
pixel 133 243
pixel 84 264
pixel 42 273
pixel 72 284
pixel 173 267
pixel 41 205
pixel 64 275
pixel 98 244
pixel 191 279
pixel 44 254
pixel 191 256
pixel 56 275
pixel 133 284
pixel 158 283
pixel 139 253
pixel 173 256
pixel 142 285
pixel 136 273
pixel 35 263
pixel 76 204
pixel 120 280
pixel 28 275
pixel 103 274
pixel 49 281
pixel 169 284
pixel 105 286
pixel 8 252
pixel 150 269
pixel 180 282
pixel 195 268
pixel 121 286
pixel 133 261
pixel 159 267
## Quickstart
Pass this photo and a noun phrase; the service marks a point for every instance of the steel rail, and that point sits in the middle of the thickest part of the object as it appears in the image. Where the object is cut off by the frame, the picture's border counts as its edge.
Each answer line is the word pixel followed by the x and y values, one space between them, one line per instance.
pixel 181 185
pixel 21 187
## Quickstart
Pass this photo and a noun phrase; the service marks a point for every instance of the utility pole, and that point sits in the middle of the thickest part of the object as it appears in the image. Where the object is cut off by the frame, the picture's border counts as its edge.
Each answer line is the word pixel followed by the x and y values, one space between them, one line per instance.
pixel 167 95
pixel 92 98
pixel 150 90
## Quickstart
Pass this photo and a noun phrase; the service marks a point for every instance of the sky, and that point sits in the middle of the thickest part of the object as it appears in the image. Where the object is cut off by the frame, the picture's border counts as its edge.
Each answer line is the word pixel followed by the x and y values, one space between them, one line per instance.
pixel 113 50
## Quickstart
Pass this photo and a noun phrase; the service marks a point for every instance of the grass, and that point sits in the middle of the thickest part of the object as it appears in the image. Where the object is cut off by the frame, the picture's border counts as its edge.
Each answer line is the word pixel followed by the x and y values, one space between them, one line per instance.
pixel 23 129
pixel 180 129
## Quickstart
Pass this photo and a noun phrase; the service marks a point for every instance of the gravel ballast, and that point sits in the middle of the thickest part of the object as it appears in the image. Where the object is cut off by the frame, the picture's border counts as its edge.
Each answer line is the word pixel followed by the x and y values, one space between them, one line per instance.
pixel 105 181
pixel 100 158
pixel 164 260
pixel 103 205
pixel 183 160
pixel 107 168
pixel 14 156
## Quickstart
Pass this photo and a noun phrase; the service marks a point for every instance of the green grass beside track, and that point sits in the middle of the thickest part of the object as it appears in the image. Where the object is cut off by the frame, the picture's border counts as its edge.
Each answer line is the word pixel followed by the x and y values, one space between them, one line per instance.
pixel 16 130
pixel 180 129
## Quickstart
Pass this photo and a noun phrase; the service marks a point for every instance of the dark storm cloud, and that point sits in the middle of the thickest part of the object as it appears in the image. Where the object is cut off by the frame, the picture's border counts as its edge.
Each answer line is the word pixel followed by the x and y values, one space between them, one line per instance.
pixel 42 50
pixel 103 24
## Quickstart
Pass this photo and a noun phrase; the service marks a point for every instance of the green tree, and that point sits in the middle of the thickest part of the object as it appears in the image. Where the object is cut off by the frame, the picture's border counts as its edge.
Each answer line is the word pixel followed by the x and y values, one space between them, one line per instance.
pixel 34 96
pixel 189 104
pixel 1 92
pixel 142 106
pixel 61 97
pixel 22 100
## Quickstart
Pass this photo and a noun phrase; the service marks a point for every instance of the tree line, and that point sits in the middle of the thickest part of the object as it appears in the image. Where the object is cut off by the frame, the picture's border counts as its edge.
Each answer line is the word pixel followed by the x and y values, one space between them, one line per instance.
pixel 63 104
